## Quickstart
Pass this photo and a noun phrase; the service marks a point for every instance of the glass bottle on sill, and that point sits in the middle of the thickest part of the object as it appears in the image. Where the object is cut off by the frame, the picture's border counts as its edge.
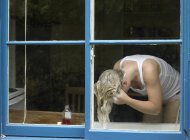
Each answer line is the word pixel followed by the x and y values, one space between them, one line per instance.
pixel 67 115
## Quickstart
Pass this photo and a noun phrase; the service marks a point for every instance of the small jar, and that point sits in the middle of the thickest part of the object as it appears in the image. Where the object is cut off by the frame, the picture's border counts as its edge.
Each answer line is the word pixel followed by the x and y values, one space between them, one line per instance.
pixel 67 115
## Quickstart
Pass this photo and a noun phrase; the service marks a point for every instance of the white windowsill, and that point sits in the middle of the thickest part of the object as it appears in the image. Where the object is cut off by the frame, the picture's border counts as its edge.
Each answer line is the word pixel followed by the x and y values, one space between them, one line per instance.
pixel 138 126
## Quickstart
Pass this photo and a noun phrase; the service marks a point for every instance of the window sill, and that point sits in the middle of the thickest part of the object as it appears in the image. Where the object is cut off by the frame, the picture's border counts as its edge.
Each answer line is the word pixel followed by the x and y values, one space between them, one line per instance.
pixel 172 127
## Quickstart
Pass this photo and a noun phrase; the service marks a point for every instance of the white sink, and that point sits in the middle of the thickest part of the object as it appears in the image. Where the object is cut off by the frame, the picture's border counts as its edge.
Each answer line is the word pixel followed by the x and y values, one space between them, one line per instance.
pixel 16 98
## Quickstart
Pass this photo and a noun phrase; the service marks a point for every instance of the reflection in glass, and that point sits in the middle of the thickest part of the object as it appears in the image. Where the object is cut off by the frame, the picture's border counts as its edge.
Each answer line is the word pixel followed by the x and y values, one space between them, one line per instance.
pixel 54 78
pixel 47 19
pixel 105 58
pixel 137 19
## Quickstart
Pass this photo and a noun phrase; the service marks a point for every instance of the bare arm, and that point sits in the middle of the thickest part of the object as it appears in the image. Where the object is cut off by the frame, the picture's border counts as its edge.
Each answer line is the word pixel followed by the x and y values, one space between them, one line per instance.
pixel 154 104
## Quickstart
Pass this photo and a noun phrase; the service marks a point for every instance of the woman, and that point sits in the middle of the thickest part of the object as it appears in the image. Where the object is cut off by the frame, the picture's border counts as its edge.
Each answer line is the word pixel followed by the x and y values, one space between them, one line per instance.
pixel 146 75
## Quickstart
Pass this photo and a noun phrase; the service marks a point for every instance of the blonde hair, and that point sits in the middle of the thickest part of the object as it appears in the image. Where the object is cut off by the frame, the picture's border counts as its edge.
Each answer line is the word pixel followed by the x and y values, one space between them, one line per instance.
pixel 108 85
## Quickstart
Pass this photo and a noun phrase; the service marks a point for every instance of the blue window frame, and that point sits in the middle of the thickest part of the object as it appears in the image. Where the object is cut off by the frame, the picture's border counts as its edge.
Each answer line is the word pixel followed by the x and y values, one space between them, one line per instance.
pixel 85 131
pixel 185 34
pixel 0 64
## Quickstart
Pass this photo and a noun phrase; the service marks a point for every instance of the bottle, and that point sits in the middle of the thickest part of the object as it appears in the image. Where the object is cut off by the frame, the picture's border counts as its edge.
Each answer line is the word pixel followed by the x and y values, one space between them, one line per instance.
pixel 66 115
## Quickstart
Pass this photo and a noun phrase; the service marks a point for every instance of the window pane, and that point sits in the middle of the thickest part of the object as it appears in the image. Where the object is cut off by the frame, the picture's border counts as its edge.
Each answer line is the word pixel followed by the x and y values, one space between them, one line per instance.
pixel 54 78
pixel 137 19
pixel 47 20
pixel 105 58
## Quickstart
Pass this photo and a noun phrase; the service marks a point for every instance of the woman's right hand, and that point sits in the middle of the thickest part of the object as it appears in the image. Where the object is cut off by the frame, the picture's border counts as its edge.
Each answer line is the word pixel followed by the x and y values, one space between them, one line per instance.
pixel 121 98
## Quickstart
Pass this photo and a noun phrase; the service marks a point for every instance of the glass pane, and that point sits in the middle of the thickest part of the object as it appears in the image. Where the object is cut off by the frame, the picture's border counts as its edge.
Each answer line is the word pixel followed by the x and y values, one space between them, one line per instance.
pixel 137 19
pixel 54 78
pixel 47 20
pixel 135 82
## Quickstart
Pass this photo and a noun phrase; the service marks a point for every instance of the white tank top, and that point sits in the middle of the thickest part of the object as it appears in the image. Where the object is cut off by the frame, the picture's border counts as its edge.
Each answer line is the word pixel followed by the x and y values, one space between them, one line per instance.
pixel 169 77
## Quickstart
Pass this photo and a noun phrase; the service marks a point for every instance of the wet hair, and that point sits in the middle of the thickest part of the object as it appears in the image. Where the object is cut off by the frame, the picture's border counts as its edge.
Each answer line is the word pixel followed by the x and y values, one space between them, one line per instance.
pixel 107 86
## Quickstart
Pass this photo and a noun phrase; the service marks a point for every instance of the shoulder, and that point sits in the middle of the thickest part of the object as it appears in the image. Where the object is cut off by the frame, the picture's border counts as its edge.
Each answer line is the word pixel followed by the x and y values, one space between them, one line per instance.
pixel 151 71
pixel 150 65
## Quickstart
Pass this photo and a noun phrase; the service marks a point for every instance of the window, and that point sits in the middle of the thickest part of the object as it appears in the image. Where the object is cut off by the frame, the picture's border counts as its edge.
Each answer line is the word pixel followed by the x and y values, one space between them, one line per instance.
pixel 135 20
pixel 53 49
pixel 46 67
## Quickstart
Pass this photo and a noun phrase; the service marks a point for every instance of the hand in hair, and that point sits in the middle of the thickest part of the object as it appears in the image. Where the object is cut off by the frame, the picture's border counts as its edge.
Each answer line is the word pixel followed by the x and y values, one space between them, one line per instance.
pixel 121 98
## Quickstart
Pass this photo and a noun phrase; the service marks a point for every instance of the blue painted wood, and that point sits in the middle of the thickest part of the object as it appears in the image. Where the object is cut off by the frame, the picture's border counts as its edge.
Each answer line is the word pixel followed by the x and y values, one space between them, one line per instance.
pixel 134 135
pixel 181 66
pixel 185 35
pixel 45 130
pixel 136 42
pixel 38 138
pixel 4 61
pixel 87 67
pixel 53 42
pixel 96 42
pixel 0 67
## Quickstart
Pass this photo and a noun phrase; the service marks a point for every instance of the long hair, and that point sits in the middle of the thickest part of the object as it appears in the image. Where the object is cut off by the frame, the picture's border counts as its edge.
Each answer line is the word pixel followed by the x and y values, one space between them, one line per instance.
pixel 108 85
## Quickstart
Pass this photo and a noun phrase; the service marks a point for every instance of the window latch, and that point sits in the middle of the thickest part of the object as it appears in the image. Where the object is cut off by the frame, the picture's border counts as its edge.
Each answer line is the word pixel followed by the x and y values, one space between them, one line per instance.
pixel 92 55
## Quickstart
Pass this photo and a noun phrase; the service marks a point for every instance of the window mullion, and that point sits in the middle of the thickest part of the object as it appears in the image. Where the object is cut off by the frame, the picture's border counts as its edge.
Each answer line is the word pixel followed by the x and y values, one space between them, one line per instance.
pixel 0 69
pixel 135 42
pixel 54 42
pixel 88 29
pixel 4 62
